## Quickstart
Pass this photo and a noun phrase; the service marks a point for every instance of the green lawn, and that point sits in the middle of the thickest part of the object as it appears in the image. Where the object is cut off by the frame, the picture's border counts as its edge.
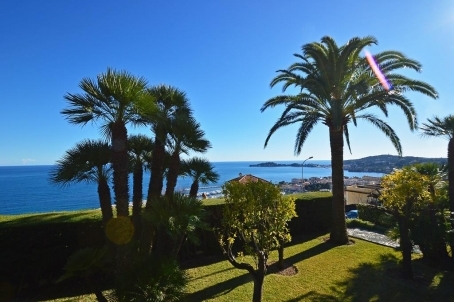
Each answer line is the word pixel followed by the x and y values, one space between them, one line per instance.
pixel 360 272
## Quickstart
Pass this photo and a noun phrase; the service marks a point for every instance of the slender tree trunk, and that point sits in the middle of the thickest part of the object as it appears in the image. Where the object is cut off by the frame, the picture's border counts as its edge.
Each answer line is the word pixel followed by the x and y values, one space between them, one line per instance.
pixel 405 245
pixel 137 198
pixel 172 175
pixel 120 167
pixel 451 178
pixel 338 233
pixel 157 171
pixel 280 251
pixel 154 192
pixel 259 276
pixel 105 201
pixel 194 189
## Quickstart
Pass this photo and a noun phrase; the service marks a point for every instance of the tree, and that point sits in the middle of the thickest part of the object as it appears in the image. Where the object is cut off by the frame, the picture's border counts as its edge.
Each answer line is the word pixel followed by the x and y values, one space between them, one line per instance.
pixel 176 219
pixel 444 127
pixel 336 84
pixel 116 98
pixel 186 136
pixel 171 102
pixel 140 147
pixel 88 161
pixel 403 192
pixel 428 226
pixel 256 214
pixel 201 171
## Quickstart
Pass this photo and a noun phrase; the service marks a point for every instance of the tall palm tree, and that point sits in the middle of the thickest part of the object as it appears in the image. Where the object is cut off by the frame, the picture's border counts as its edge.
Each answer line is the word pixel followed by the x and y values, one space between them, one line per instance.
pixel 171 102
pixel 336 84
pixel 115 98
pixel 201 171
pixel 186 136
pixel 140 147
pixel 88 161
pixel 444 127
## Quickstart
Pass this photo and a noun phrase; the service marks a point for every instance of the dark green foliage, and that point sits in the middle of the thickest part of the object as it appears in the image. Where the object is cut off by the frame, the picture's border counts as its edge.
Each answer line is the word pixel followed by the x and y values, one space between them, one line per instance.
pixel 153 280
pixel 176 219
pixel 36 254
pixel 376 215
pixel 313 215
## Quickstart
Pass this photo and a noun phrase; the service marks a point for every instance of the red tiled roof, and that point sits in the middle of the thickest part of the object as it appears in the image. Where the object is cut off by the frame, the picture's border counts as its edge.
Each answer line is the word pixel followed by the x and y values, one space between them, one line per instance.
pixel 247 178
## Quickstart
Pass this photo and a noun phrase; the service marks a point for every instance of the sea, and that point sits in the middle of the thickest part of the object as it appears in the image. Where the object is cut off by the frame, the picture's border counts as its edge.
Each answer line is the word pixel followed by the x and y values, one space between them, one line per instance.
pixel 26 189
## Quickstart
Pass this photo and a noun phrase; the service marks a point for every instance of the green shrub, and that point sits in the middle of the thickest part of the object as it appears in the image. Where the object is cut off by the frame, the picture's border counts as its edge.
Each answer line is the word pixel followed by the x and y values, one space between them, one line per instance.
pixel 376 215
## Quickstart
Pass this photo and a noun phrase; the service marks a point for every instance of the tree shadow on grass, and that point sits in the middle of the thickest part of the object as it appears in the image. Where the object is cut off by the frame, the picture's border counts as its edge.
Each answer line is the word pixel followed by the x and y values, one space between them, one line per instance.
pixel 313 251
pixel 315 297
pixel 225 287
pixel 382 281
pixel 219 289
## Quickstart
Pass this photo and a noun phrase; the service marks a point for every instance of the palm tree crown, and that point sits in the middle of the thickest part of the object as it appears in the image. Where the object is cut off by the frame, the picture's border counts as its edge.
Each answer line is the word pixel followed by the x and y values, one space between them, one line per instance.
pixel 88 161
pixel 201 171
pixel 336 85
pixel 116 98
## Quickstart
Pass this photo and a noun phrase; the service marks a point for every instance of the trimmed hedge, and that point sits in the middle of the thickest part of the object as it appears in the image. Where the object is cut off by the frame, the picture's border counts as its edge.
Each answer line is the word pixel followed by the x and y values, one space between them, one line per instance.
pixel 34 255
pixel 376 215
pixel 314 215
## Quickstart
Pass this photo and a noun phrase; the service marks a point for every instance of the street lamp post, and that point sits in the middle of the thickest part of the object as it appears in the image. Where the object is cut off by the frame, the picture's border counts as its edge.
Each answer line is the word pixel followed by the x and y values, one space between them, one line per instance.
pixel 302 168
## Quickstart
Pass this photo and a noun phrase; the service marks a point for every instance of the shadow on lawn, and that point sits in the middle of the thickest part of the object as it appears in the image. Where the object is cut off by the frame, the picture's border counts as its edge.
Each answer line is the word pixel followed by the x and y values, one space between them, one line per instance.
pixel 382 281
pixel 225 287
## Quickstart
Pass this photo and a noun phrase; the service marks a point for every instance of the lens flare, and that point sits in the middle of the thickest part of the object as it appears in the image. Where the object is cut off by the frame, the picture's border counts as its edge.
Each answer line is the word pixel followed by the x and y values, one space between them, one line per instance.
pixel 120 230
pixel 380 76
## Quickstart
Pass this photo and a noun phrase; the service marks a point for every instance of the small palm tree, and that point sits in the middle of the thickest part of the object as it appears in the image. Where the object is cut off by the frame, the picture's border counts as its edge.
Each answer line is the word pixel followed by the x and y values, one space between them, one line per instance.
pixel 201 171
pixel 186 136
pixel 88 161
pixel 140 148
pixel 429 230
pixel 116 98
pixel 336 86
pixel 444 127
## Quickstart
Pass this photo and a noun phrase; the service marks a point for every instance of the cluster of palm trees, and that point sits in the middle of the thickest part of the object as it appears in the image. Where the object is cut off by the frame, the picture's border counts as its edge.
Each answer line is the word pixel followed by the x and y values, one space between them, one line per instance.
pixel 114 100
pixel 336 87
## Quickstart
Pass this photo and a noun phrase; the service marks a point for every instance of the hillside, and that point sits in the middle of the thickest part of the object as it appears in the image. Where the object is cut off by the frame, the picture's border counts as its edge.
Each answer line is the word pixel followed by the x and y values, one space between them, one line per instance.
pixel 386 163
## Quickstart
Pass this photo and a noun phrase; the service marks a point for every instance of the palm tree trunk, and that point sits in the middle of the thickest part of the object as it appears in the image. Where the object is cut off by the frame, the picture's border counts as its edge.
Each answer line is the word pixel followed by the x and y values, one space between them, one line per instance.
pixel 172 174
pixel 105 201
pixel 338 233
pixel 137 198
pixel 157 171
pixel 451 178
pixel 194 189
pixel 120 167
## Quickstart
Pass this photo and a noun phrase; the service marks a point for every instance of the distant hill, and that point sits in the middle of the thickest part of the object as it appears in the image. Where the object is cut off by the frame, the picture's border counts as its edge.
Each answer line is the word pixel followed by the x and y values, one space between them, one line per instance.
pixel 386 163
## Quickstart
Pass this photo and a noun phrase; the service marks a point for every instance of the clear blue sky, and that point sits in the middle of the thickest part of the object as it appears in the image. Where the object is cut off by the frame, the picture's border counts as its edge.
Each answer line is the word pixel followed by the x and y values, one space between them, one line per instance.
pixel 223 54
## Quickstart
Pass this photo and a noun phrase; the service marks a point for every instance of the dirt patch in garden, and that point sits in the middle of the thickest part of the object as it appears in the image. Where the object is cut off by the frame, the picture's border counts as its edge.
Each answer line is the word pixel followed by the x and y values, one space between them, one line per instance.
pixel 288 270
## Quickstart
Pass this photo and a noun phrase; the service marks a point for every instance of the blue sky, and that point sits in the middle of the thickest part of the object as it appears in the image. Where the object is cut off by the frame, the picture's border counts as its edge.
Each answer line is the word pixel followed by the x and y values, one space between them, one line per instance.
pixel 223 54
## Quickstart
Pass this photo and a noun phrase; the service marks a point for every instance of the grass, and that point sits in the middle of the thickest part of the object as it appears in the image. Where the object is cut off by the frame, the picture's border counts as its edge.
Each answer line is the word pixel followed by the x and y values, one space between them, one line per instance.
pixel 360 272
pixel 47 218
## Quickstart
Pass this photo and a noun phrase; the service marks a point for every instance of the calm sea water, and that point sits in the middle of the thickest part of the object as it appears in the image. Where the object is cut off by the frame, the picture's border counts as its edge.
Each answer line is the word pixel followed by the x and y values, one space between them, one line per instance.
pixel 26 189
